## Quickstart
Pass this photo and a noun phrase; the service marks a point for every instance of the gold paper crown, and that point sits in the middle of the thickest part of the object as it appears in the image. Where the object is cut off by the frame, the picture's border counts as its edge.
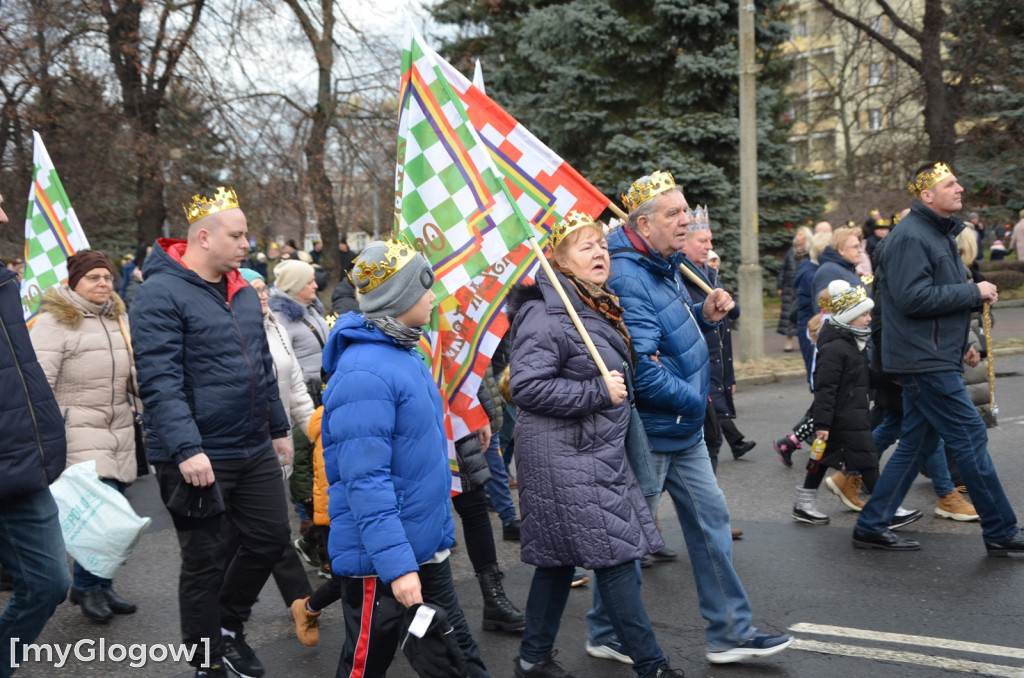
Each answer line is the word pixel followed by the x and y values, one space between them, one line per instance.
pixel 573 221
pixel 367 276
pixel 928 178
pixel 846 300
pixel 698 218
pixel 200 206
pixel 641 191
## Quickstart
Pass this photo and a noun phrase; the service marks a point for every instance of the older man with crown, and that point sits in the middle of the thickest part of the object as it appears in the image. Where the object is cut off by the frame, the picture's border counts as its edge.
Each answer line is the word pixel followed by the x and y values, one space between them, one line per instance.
pixel 217 432
pixel 385 456
pixel 926 301
pixel 672 385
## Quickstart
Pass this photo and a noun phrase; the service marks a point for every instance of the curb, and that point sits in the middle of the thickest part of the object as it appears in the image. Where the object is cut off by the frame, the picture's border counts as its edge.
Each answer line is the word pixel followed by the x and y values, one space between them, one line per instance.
pixel 776 377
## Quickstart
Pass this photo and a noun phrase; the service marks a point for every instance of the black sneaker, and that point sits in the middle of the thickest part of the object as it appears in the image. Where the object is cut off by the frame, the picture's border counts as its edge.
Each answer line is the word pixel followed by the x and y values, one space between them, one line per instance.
pixel 215 670
pixel 548 668
pixel 240 658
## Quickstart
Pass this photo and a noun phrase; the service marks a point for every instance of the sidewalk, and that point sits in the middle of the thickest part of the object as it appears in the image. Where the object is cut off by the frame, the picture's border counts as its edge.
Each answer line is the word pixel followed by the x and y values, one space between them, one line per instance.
pixel 1007 335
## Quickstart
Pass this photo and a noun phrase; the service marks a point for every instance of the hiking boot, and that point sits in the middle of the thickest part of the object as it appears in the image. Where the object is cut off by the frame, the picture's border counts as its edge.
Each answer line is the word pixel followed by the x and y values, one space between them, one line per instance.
pixel 499 612
pixel 847 488
pixel 307 551
pixel 955 507
pixel 510 530
pixel 611 650
pixel 784 447
pixel 548 668
pixel 307 624
pixel 761 645
pixel 240 658
pixel 804 510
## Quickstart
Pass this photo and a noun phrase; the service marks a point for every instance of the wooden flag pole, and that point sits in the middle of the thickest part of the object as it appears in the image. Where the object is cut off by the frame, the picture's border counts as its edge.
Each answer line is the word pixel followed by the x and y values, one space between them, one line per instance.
pixel 569 307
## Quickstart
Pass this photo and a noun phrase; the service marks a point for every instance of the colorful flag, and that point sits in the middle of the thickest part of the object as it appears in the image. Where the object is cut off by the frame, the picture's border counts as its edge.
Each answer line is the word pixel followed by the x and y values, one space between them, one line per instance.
pixel 450 201
pixel 545 188
pixel 52 232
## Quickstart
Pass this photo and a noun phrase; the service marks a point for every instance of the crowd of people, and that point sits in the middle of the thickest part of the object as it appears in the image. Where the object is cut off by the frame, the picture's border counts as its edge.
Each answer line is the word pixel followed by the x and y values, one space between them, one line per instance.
pixel 618 385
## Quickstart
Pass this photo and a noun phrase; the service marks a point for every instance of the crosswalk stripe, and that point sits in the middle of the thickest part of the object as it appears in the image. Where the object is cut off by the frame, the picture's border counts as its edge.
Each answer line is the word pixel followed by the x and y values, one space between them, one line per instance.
pixel 916 658
pixel 944 643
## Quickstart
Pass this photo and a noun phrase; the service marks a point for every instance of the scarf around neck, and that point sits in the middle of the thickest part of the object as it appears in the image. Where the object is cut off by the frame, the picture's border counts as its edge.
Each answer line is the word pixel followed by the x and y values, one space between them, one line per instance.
pixel 860 334
pixel 606 304
pixel 403 334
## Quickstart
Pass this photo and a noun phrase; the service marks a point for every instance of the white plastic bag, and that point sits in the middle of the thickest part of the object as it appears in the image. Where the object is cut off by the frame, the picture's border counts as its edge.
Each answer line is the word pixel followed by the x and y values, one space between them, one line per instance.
pixel 100 527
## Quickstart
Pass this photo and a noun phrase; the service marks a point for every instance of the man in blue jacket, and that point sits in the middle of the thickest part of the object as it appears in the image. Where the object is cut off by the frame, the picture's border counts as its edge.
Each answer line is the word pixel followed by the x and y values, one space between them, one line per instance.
pixel 672 384
pixel 927 298
pixel 215 421
pixel 32 455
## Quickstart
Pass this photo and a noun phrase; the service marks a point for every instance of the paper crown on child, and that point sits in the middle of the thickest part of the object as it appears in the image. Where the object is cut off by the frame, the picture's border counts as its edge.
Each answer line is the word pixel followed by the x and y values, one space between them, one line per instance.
pixel 645 188
pixel 847 302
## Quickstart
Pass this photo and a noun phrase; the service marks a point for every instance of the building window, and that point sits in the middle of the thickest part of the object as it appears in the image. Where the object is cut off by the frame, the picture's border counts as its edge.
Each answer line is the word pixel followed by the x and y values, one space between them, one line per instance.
pixel 800 27
pixel 874 75
pixel 874 119
pixel 875 23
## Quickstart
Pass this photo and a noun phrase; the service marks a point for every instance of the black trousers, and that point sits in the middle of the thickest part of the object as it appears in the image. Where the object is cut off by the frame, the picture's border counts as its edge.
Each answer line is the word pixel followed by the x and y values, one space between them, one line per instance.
pixel 218 583
pixel 368 651
pixel 476 527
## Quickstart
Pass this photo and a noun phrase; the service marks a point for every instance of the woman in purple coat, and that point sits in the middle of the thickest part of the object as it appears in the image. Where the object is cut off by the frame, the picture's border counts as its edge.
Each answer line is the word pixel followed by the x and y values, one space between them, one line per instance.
pixel 580 502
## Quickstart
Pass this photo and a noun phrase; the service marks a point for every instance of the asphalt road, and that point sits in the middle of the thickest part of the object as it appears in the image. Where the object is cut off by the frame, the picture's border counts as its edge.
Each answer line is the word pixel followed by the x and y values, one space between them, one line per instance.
pixel 941 611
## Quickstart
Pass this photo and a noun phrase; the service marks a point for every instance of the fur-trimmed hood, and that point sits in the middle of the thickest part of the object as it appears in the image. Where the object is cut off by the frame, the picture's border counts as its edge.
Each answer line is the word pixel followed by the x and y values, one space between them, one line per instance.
pixel 283 304
pixel 69 308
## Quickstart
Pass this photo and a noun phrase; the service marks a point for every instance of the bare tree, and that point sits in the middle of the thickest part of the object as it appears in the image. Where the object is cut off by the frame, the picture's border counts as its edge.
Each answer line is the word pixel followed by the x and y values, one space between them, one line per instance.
pixel 945 79
pixel 145 44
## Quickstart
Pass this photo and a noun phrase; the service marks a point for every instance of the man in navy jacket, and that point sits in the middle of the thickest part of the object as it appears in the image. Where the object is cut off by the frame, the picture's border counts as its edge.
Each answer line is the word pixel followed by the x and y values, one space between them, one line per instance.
pixel 927 298
pixel 215 421
pixel 32 455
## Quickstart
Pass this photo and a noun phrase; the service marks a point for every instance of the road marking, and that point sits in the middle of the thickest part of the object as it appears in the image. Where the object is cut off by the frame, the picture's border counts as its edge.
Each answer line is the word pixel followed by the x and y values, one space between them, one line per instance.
pixel 946 664
pixel 944 643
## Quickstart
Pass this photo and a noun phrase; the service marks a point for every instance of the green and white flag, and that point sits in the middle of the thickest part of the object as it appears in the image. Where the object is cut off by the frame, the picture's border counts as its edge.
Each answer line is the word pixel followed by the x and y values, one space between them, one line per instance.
pixel 52 232
pixel 450 201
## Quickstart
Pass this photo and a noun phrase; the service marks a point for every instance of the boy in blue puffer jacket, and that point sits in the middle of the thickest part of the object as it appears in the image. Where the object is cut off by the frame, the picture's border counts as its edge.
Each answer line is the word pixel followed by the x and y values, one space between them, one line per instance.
pixel 386 459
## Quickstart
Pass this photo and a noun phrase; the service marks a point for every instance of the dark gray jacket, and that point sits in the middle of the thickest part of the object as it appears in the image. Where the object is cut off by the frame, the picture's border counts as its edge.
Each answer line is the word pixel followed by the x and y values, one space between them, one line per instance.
pixel 580 501
pixel 926 300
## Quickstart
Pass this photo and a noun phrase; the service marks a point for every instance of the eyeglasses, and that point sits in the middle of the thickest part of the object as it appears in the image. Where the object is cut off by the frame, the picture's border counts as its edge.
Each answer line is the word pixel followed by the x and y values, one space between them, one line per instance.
pixel 96 277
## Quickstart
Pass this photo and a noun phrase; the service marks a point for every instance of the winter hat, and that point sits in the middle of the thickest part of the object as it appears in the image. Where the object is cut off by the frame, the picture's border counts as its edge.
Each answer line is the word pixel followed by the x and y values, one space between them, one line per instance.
pixel 712 255
pixel 391 277
pixel 291 275
pixel 250 275
pixel 303 255
pixel 847 303
pixel 82 262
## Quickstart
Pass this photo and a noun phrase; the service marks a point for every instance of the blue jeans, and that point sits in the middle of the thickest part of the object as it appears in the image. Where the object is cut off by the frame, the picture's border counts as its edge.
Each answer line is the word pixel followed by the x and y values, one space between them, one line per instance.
pixel 704 518
pixel 82 579
pixel 599 625
pixel 936 407
pixel 888 432
pixel 497 486
pixel 619 586
pixel 32 552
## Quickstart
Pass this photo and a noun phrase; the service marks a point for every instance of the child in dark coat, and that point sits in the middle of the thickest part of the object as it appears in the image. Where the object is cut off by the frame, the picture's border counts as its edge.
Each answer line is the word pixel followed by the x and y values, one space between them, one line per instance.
pixel 841 402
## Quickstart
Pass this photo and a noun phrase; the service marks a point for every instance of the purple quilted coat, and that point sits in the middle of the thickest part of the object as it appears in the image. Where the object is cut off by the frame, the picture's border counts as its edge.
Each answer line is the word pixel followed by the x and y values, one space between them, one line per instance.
pixel 579 500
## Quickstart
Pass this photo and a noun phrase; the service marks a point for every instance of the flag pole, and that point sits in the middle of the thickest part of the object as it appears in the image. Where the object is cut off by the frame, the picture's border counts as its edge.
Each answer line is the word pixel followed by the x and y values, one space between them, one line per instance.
pixel 617 211
pixel 569 307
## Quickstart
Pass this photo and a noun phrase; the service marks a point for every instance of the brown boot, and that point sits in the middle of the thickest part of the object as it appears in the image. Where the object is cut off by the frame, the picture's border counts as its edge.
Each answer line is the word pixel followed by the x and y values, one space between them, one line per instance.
pixel 847 488
pixel 955 507
pixel 307 624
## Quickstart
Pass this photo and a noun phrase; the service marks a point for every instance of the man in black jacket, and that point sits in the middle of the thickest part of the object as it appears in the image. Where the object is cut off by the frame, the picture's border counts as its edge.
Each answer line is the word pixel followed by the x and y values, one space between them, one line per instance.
pixel 215 420
pixel 32 455
pixel 926 305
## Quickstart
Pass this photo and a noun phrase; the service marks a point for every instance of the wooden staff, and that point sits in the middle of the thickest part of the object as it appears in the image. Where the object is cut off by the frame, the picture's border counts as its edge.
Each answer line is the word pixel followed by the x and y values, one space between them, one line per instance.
pixel 987 324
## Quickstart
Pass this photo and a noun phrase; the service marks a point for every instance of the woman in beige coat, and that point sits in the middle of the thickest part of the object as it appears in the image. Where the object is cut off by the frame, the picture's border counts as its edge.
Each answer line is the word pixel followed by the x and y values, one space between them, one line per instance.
pixel 79 336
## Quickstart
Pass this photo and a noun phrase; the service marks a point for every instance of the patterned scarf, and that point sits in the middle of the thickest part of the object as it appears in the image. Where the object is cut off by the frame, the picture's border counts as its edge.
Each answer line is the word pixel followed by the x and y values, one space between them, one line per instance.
pixel 606 304
pixel 403 334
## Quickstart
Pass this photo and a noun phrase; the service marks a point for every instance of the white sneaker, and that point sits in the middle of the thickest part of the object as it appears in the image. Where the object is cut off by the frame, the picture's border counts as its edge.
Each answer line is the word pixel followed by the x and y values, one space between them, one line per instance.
pixel 612 650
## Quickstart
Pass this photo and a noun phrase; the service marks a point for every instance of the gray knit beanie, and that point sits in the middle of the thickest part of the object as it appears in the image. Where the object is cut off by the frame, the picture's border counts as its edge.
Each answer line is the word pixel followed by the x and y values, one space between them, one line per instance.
pixel 398 292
